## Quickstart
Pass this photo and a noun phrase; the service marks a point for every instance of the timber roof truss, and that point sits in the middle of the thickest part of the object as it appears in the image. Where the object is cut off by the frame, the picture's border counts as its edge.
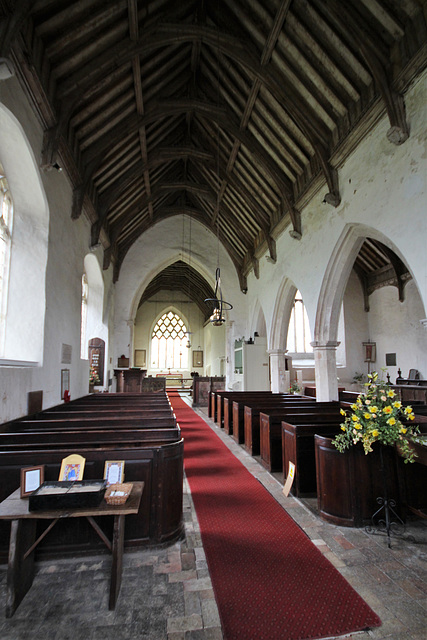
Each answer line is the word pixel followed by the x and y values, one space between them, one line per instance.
pixel 233 112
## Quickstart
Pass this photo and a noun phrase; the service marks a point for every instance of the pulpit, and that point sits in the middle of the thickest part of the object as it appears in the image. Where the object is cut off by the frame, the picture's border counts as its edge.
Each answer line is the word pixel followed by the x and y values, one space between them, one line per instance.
pixel 130 380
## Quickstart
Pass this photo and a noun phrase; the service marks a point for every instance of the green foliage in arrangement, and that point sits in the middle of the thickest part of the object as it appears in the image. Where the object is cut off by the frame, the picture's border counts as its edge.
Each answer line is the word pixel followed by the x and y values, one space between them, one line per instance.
pixel 378 416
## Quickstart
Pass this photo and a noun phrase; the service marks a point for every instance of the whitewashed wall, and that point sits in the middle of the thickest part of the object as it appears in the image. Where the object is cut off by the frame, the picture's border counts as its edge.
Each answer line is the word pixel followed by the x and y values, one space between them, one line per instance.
pixel 383 190
pixel 67 247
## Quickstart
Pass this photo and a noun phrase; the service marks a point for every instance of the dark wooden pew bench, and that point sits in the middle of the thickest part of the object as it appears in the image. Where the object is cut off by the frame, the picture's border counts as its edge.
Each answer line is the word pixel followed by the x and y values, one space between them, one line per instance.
pixel 271 431
pixel 111 429
pixel 159 519
pixel 80 437
pixel 251 419
pixel 220 395
pixel 298 448
pixel 94 423
pixel 246 397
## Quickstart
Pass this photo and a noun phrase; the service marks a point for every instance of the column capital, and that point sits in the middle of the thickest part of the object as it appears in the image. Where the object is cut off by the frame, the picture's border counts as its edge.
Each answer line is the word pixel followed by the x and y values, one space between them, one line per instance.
pixel 130 323
pixel 331 344
pixel 277 352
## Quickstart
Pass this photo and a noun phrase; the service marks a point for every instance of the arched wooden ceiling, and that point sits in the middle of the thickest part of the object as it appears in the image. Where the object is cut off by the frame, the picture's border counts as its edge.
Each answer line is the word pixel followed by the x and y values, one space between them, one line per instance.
pixel 233 112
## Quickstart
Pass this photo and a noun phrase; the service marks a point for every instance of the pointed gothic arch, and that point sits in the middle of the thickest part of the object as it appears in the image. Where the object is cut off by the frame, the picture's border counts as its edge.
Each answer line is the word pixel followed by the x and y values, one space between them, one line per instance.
pixel 281 314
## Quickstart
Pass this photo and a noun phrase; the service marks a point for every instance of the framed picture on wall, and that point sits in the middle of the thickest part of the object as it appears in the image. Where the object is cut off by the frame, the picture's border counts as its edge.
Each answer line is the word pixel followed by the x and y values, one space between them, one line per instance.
pixel 197 358
pixel 370 351
pixel 140 358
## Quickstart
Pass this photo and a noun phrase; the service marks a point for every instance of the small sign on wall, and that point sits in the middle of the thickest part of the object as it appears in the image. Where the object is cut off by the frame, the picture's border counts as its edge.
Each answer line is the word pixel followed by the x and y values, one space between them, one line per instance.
pixel 65 381
pixel 197 358
pixel 66 354
pixel 140 358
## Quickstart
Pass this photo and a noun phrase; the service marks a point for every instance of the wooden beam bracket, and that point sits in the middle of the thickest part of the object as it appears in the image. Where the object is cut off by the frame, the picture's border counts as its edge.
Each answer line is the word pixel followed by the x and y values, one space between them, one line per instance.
pixel 77 204
pixel 49 157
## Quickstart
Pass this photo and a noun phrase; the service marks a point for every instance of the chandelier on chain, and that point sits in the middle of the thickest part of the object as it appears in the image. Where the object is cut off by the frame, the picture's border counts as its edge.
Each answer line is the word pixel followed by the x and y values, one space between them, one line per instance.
pixel 219 304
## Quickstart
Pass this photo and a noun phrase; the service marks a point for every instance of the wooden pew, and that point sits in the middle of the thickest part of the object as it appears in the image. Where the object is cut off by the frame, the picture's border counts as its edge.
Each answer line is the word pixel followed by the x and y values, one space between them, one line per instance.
pixel 81 437
pixel 271 428
pixel 349 483
pixel 220 395
pixel 237 428
pixel 245 396
pixel 298 448
pixel 117 422
pixel 95 412
pixel 151 447
pixel 159 519
pixel 251 419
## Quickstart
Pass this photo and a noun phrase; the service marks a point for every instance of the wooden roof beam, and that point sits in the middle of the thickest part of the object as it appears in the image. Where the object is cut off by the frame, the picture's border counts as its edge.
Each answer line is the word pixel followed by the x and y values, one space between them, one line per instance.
pixel 394 104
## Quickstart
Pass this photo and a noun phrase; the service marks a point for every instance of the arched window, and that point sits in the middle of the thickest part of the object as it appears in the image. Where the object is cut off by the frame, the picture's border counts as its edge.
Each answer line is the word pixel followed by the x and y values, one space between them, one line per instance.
pixel 84 355
pixel 168 343
pixel 6 220
pixel 299 335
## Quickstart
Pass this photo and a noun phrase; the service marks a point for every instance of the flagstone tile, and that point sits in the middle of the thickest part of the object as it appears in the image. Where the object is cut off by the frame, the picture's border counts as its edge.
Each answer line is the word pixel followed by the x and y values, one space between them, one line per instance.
pixel 183 576
pixel 210 614
pixel 192 603
pixel 185 623
pixel 188 560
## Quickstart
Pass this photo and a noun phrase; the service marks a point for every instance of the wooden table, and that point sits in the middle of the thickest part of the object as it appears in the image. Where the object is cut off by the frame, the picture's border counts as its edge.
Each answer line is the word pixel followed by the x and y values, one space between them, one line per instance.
pixel 22 544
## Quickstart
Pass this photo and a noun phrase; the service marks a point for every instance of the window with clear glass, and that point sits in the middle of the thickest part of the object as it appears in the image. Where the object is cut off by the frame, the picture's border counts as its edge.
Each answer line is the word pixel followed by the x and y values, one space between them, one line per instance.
pixel 169 343
pixel 6 220
pixel 84 353
pixel 299 334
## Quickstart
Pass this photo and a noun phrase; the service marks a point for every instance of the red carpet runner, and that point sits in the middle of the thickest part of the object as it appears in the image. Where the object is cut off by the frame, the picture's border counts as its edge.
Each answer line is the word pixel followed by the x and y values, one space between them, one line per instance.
pixel 270 581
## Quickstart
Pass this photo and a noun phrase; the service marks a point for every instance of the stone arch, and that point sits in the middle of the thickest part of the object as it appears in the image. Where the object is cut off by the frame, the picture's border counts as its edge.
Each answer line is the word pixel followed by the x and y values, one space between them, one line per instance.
pixel 330 299
pixel 258 323
pixel 281 314
pixel 336 277
pixel 96 327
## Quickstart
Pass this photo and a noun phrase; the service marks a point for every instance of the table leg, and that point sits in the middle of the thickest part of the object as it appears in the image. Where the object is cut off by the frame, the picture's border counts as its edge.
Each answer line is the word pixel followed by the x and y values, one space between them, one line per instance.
pixel 20 572
pixel 117 565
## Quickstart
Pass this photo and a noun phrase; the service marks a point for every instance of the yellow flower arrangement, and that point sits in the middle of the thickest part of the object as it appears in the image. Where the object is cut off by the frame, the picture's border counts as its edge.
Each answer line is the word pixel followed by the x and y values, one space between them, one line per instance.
pixel 377 416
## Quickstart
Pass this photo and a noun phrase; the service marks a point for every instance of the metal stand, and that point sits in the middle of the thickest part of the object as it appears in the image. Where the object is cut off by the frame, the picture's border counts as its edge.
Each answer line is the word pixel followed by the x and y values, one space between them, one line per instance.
pixel 390 518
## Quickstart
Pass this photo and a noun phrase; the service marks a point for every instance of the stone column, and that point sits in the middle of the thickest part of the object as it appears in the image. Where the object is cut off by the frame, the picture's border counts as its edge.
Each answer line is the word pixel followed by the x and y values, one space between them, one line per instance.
pixel 325 362
pixel 131 325
pixel 279 376
pixel 229 353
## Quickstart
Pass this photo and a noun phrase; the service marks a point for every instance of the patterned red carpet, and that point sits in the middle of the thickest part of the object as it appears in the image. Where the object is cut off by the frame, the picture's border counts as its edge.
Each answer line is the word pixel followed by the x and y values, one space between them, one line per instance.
pixel 270 581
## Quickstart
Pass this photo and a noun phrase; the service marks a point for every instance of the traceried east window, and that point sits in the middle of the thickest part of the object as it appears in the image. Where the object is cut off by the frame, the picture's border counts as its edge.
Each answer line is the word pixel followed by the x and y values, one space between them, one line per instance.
pixel 299 335
pixel 83 326
pixel 169 343
pixel 6 220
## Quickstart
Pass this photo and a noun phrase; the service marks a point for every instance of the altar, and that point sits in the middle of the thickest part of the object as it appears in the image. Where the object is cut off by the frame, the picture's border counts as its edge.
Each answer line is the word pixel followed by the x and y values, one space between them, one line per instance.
pixel 172 379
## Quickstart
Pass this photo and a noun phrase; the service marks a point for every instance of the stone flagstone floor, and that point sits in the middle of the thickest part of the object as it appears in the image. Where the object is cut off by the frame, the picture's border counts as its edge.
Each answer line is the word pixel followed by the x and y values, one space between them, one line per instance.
pixel 167 594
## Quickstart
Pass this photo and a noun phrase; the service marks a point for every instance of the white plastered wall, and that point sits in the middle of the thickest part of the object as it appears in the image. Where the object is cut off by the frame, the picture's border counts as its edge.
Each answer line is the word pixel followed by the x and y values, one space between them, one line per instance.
pixel 66 246
pixel 383 196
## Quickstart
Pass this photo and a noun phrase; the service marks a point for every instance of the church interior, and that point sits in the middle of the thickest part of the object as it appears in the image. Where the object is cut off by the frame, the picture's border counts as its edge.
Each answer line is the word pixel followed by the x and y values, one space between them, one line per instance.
pixel 201 199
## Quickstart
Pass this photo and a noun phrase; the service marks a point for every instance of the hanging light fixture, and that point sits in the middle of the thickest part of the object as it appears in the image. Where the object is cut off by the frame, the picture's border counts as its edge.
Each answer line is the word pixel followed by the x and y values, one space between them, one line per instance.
pixel 188 333
pixel 220 305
